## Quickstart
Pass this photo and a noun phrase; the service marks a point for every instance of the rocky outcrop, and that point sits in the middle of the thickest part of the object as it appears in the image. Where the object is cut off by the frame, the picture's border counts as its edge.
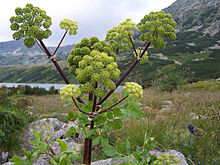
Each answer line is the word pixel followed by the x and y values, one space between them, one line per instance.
pixel 52 128
pixel 176 154
pixel 192 15
pixel 49 128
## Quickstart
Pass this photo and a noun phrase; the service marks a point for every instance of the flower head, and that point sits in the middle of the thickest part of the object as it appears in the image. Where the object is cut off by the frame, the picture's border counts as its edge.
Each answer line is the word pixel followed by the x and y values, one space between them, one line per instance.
pixel 191 128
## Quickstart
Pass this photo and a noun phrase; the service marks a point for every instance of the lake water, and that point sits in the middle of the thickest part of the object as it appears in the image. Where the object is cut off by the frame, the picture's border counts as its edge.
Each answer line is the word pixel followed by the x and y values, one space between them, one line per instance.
pixel 46 86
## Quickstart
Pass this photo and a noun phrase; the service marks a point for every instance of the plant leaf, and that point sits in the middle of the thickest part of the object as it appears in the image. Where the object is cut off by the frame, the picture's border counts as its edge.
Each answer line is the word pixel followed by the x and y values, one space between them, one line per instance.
pixel 128 147
pixel 104 142
pixel 67 103
pixel 70 132
pixel 110 151
pixel 96 141
pixel 90 133
pixel 72 116
pixel 115 124
pixel 63 145
pixel 17 160
pixel 36 135
pixel 119 148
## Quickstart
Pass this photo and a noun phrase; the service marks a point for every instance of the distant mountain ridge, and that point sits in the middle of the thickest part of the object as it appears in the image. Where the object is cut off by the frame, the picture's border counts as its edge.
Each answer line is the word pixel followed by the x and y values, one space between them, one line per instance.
pixel 193 15
pixel 195 54
pixel 15 53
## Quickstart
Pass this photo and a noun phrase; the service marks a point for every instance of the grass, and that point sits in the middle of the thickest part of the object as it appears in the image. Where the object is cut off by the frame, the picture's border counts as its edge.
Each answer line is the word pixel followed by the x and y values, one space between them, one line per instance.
pixel 198 107
pixel 170 128
pixel 49 106
pixel 196 104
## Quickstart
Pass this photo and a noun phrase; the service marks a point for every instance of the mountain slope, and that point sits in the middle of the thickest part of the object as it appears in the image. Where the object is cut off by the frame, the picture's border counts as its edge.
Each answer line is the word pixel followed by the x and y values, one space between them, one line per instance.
pixel 194 15
pixel 15 53
pixel 195 54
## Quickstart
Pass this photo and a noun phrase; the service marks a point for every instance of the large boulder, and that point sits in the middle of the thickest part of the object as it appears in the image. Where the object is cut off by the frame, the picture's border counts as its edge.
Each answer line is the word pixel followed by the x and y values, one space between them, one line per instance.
pixel 52 128
pixel 176 154
pixel 49 128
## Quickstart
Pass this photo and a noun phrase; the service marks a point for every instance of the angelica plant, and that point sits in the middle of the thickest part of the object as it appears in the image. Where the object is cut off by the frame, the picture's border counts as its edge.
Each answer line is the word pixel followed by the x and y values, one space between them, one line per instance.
pixel 93 63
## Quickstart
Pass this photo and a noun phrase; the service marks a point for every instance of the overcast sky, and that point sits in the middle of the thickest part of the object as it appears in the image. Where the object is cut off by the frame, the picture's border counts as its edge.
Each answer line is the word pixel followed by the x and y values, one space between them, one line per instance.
pixel 94 17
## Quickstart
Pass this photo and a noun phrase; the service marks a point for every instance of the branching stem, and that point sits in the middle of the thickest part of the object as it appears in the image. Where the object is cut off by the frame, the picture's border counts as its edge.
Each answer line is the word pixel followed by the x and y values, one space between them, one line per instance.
pixel 60 42
pixel 127 64
pixel 132 43
pixel 51 150
pixel 57 66
pixel 125 75
pixel 105 110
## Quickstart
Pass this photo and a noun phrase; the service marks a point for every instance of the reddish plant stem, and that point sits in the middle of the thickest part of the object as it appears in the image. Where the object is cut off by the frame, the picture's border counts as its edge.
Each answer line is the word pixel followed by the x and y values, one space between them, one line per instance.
pixel 132 43
pixel 117 51
pixel 60 42
pixel 87 155
pixel 126 64
pixel 105 110
pixel 78 106
pixel 51 150
pixel 143 45
pixel 40 46
pixel 58 67
pixel 125 74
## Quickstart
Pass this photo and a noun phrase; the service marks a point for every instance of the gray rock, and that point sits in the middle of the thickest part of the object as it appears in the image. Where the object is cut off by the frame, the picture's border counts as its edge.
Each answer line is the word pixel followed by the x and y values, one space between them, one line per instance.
pixel 194 116
pixel 8 163
pixel 50 128
pixel 165 111
pixel 4 157
pixel 108 162
pixel 45 159
pixel 177 155
pixel 167 102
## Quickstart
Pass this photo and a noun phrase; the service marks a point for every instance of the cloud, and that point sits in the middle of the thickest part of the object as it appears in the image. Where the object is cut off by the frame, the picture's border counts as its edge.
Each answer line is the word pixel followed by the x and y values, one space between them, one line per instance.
pixel 94 17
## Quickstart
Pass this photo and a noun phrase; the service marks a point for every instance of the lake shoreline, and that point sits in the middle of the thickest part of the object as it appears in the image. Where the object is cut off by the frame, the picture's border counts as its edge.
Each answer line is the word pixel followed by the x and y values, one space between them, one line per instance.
pixel 45 86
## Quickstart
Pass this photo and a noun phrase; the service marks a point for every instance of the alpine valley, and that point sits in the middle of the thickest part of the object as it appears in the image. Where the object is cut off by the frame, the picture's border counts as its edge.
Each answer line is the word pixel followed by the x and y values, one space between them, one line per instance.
pixel 194 55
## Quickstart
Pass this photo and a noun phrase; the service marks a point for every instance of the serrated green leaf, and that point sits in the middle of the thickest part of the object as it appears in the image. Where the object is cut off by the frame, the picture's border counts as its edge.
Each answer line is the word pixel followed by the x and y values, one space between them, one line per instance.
pixel 128 147
pixel 117 112
pixel 53 161
pixel 63 145
pixel 63 161
pixel 67 103
pixel 104 142
pixel 75 156
pixel 137 157
pixel 110 151
pixel 17 160
pixel 133 113
pixel 96 141
pixel 116 158
pixel 86 107
pixel 100 119
pixel 83 120
pixel 115 100
pixel 27 153
pixel 70 132
pixel 72 116
pixel 34 143
pixel 109 115
pixel 115 124
pixel 119 148
pixel 90 133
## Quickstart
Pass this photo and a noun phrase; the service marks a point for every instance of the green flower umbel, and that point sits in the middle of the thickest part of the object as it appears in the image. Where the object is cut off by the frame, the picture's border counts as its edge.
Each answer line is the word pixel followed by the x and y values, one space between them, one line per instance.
pixel 30 23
